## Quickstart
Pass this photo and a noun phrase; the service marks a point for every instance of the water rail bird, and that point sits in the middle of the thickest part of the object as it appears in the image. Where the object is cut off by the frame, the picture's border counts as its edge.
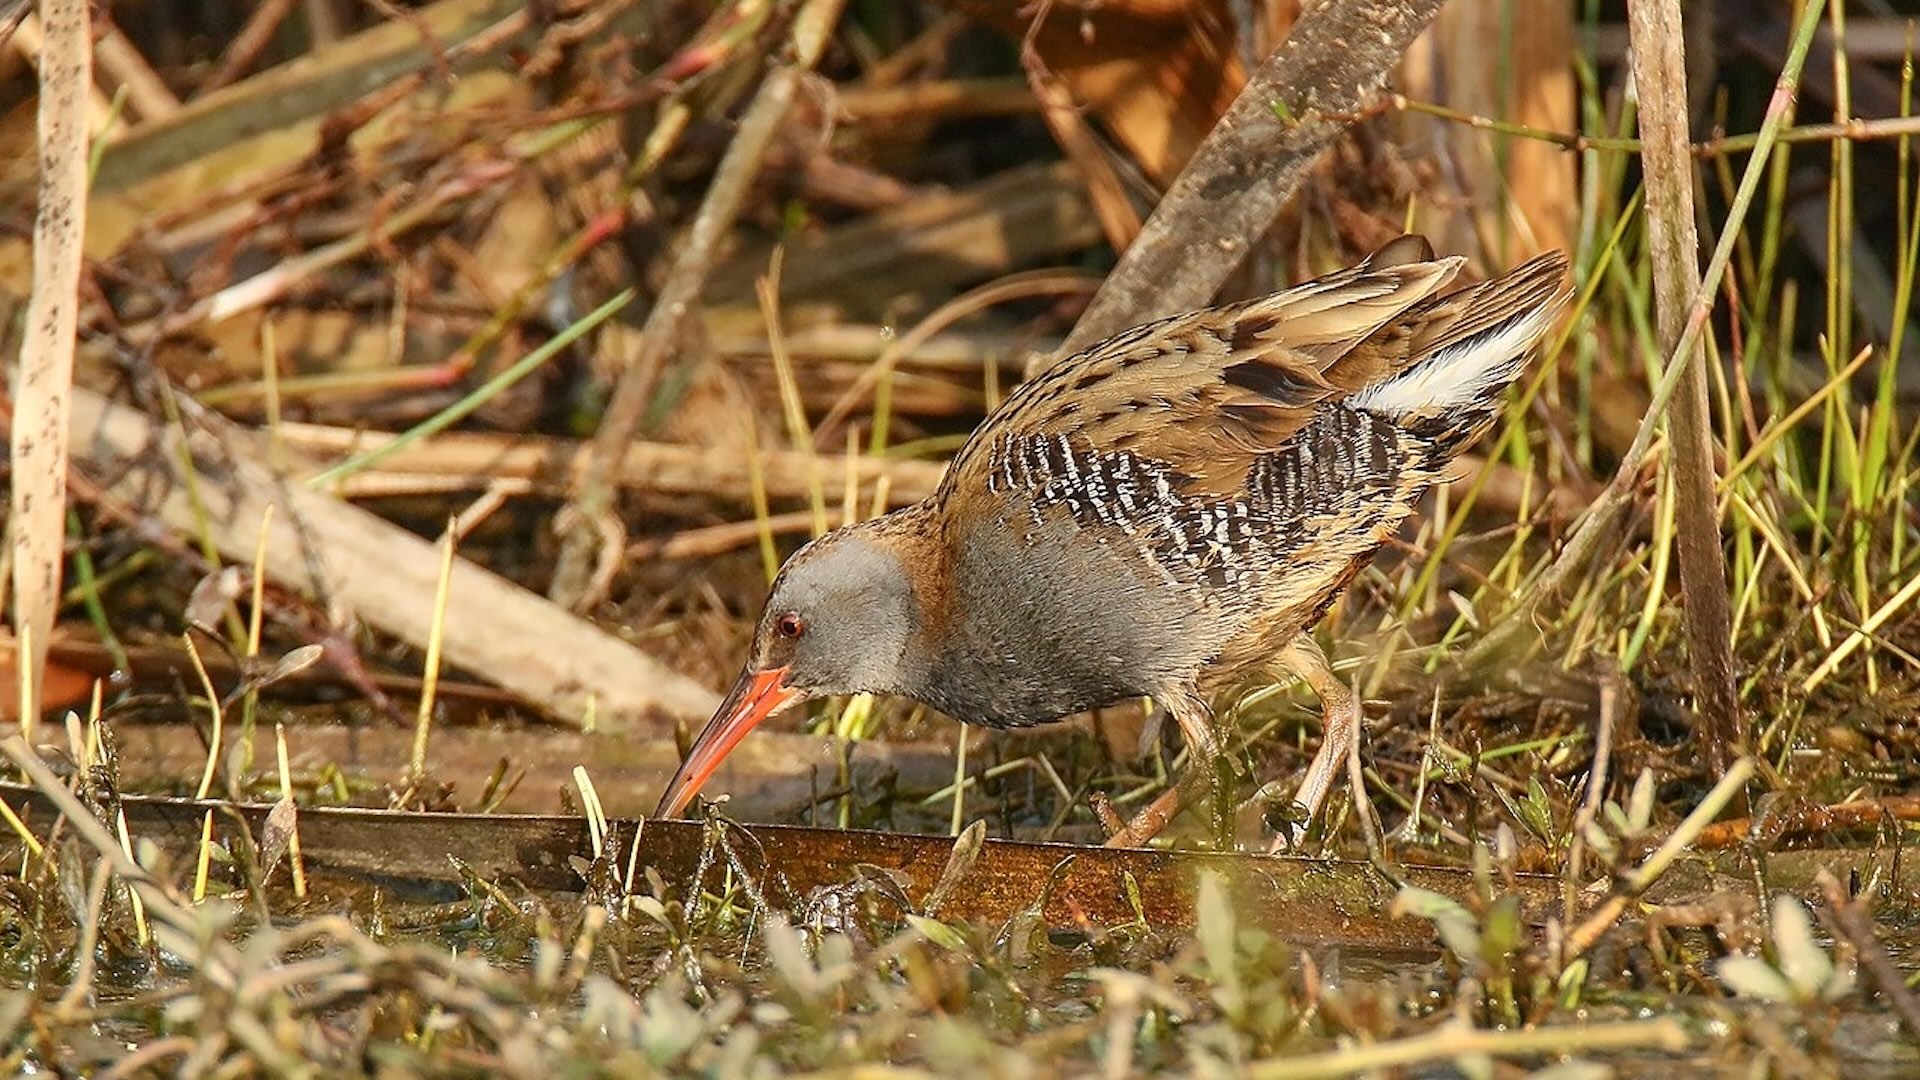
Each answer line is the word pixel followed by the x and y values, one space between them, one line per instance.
pixel 1165 514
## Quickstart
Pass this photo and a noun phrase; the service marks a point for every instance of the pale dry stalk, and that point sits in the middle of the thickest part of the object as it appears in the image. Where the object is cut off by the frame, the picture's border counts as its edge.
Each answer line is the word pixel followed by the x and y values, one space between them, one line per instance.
pixel 44 378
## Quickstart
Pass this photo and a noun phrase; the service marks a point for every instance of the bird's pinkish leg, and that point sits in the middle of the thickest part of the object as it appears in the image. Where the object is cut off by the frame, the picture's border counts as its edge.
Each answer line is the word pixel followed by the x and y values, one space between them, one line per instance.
pixel 1340 719
pixel 1203 751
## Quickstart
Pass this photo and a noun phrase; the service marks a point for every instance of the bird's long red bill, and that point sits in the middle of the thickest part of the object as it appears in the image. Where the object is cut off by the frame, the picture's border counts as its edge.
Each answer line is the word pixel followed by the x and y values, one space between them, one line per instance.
pixel 756 696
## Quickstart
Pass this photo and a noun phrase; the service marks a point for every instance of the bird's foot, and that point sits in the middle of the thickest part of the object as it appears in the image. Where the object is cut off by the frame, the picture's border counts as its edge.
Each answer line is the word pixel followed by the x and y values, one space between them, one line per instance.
pixel 1203 748
pixel 1196 782
pixel 1285 815
pixel 1146 824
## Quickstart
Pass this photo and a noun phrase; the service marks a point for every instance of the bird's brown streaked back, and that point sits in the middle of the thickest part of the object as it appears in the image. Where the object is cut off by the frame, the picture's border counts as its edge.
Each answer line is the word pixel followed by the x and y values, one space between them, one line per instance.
pixel 1237 381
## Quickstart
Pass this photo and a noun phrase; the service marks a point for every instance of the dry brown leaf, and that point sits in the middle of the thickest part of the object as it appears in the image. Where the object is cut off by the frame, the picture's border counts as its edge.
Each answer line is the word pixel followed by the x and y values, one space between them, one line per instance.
pixel 61 687
pixel 1157 73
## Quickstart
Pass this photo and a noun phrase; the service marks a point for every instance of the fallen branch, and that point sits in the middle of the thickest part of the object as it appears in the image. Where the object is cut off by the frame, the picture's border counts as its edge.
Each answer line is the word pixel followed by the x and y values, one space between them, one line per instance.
pixel 1296 104
pixel 1324 901
pixel 779 774
pixel 1809 821
pixel 326 548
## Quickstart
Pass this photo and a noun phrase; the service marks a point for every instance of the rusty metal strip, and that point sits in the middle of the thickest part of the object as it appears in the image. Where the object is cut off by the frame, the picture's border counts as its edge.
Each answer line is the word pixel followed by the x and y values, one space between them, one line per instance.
pixel 1309 901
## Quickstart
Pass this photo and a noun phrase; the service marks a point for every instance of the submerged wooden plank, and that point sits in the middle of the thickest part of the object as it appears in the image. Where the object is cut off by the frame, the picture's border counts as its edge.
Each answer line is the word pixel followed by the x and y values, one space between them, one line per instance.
pixel 1313 902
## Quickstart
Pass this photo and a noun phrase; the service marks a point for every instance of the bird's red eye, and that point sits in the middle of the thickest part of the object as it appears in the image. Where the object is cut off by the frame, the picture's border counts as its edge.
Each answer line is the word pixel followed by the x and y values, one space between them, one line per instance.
pixel 791 625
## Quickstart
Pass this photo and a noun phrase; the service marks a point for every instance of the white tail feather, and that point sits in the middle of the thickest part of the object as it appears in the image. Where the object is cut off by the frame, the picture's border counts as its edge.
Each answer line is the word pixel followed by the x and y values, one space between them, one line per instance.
pixel 1469 372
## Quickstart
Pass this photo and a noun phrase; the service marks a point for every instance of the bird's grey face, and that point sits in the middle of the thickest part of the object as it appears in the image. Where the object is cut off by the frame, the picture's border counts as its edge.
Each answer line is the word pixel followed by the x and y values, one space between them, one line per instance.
pixel 837 622
pixel 837 619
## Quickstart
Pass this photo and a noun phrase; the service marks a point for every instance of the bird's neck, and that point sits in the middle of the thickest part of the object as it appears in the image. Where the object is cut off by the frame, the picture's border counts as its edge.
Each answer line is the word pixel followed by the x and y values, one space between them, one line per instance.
pixel 950 658
pixel 914 539
pixel 1010 634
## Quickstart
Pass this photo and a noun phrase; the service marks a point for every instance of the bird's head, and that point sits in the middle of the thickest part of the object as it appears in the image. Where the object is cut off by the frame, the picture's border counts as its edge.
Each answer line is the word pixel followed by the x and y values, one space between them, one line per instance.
pixel 838 621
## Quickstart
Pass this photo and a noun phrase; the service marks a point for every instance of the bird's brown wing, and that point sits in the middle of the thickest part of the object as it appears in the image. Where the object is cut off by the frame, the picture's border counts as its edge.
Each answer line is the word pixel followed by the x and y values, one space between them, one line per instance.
pixel 1444 321
pixel 1200 396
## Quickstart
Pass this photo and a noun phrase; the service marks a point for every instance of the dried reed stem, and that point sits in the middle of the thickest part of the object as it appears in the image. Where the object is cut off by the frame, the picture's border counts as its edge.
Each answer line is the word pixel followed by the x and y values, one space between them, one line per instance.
pixel 45 375
pixel 1659 69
